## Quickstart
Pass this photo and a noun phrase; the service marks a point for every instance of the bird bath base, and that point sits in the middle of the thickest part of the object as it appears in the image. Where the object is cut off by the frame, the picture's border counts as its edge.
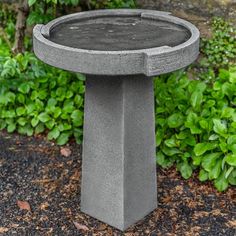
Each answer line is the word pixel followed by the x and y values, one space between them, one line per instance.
pixel 119 169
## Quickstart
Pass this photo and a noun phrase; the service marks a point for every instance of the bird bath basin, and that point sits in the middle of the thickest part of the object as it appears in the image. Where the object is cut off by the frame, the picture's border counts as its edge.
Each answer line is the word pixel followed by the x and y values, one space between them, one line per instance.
pixel 119 51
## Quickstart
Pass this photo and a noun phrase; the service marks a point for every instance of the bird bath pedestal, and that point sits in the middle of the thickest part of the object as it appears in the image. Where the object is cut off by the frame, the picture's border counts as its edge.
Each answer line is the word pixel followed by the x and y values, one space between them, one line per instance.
pixel 119 51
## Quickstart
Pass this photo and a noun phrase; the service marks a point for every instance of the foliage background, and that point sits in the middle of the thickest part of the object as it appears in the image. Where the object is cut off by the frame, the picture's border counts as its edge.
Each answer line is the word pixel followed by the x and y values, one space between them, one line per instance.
pixel 195 108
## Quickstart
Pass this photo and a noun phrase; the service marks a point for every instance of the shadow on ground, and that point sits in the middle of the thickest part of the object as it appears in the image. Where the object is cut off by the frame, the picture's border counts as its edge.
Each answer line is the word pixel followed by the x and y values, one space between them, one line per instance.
pixel 33 170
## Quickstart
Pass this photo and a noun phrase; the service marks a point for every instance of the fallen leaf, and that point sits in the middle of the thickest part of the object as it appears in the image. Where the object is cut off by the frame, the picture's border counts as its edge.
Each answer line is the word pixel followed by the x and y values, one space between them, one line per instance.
pixel 3 230
pixel 66 152
pixel 166 199
pixel 75 176
pixel 23 205
pixel 102 227
pixel 80 226
pixel 232 223
pixel 44 206
pixel 200 214
pixel 41 181
pixel 1 162
pixel 217 212
pixel 14 225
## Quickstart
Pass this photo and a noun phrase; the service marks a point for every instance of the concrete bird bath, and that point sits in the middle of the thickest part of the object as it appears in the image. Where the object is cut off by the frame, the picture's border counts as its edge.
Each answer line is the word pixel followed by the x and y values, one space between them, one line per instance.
pixel 119 51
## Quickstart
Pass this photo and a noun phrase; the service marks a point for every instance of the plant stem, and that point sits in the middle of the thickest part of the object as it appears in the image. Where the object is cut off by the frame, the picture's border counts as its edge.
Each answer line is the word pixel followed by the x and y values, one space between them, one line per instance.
pixel 4 35
pixel 23 11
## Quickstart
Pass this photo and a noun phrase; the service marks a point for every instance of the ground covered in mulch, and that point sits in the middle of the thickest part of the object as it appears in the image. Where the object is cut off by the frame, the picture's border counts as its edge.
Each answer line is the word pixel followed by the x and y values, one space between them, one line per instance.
pixel 40 195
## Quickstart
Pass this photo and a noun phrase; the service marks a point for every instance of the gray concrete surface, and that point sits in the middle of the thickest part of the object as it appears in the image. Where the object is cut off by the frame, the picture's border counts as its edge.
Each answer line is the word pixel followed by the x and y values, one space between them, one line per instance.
pixel 119 33
pixel 150 61
pixel 119 168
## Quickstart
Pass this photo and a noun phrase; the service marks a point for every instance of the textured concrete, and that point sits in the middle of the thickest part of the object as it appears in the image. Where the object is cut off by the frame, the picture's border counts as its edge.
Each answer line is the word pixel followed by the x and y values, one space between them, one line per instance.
pixel 119 170
pixel 150 61
pixel 113 33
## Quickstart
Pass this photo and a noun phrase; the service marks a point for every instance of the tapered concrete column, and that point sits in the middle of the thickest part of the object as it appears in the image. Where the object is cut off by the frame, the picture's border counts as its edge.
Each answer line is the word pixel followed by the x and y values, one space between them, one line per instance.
pixel 119 169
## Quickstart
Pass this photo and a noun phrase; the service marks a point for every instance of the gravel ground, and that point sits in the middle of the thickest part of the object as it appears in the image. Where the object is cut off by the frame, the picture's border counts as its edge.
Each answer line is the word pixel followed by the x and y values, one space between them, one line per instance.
pixel 33 171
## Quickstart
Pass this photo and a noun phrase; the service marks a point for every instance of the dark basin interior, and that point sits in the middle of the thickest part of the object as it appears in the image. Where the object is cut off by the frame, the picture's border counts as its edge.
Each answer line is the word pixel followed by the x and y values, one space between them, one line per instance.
pixel 118 33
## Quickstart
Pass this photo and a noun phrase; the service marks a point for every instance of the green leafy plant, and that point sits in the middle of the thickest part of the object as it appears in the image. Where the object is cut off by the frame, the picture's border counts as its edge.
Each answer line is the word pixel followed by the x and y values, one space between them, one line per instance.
pixel 43 11
pixel 220 49
pixel 35 98
pixel 196 126
pixel 113 4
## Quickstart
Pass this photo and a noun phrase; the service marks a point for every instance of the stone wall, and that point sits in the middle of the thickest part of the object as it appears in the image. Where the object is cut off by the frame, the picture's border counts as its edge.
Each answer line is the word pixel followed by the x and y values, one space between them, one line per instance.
pixel 205 8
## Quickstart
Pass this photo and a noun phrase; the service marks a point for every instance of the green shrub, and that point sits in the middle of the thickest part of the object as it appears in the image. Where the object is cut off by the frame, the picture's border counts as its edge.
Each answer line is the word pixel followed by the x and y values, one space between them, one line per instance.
pixel 35 97
pixel 113 4
pixel 196 126
pixel 43 11
pixel 220 49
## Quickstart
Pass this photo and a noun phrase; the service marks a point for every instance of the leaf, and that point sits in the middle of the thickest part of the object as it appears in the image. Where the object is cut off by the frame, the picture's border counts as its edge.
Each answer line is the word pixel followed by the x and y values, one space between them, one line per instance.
pixel 56 112
pixel 39 128
pixel 221 183
pixel 162 160
pixel 175 120
pixel 66 152
pixel 20 98
pixel 192 123
pixel 11 127
pixel 23 205
pixel 227 89
pixel 44 117
pixel 78 100
pixel 216 170
pixel 52 102
pixel 172 142
pixel 68 107
pixel 209 160
pixel 24 88
pixel 35 121
pixel 203 175
pixel 197 160
pixel 232 177
pixel 220 127
pixel 201 148
pixel 22 121
pixel 231 159
pixel 185 169
pixel 10 97
pixel 80 226
pixel 227 112
pixel 20 111
pixel 159 136
pixel 54 134
pixel 213 137
pixel 196 98
pixel 78 132
pixel 31 2
pixel 204 124
pixel 50 124
pixel 232 76
pixel 223 146
pixel 229 172
pixel 77 117
pixel 170 151
pixel 231 139
pixel 63 138
pixel 3 230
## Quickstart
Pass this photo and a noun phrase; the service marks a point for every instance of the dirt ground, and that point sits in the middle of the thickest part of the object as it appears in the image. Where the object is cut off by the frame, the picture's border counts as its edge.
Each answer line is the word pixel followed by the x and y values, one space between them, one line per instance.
pixel 40 195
